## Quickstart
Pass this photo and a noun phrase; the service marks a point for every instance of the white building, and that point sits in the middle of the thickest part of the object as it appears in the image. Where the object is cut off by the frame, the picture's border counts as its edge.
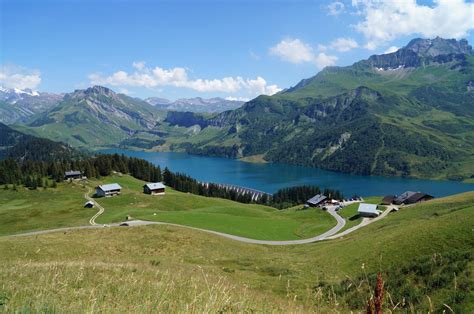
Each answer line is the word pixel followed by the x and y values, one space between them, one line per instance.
pixel 368 210
pixel 156 188
pixel 108 190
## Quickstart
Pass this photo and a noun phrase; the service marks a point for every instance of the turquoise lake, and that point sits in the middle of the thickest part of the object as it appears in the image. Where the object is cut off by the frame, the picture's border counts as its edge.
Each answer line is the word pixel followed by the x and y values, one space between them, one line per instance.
pixel 271 177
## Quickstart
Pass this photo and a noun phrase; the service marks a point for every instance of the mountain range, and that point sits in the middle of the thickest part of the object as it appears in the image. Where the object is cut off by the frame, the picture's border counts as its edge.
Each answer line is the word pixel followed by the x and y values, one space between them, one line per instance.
pixel 18 105
pixel 24 147
pixel 406 113
pixel 197 104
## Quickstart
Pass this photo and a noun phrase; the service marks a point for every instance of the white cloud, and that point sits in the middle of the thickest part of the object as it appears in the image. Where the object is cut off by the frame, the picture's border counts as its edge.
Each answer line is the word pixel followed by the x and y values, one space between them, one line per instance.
pixel 297 51
pixel 391 49
pixel 178 77
pixel 386 20
pixel 293 50
pixel 139 65
pixel 124 91
pixel 12 76
pixel 323 60
pixel 232 98
pixel 344 44
pixel 335 8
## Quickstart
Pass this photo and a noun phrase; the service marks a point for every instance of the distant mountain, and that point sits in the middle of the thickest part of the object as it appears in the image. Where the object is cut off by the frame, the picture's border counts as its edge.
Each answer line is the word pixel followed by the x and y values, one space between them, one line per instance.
pixel 198 104
pixel 18 105
pixel 94 117
pixel 406 113
pixel 20 146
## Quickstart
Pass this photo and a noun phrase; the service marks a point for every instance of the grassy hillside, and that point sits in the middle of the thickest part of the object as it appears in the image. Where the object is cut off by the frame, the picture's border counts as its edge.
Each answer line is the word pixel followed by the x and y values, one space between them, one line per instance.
pixel 29 210
pixel 94 117
pixel 424 253
pixel 392 114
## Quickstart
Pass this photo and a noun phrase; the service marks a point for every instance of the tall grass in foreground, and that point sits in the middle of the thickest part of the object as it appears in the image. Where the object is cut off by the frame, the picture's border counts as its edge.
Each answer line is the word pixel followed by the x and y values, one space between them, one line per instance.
pixel 101 287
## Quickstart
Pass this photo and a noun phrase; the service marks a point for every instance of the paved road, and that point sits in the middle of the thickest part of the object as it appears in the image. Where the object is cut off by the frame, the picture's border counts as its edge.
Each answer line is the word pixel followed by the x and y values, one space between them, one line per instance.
pixel 330 234
pixel 364 222
pixel 101 209
pixel 340 224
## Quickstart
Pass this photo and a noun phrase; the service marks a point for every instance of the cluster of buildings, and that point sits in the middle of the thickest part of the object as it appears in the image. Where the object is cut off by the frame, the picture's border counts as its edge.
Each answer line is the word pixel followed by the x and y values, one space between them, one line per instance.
pixel 320 200
pixel 113 189
pixel 407 198
pixel 371 210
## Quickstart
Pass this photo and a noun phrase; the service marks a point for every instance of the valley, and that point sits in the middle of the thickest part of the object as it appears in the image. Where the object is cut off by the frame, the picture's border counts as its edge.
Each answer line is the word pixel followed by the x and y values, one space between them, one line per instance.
pixel 407 113
pixel 225 157
pixel 157 259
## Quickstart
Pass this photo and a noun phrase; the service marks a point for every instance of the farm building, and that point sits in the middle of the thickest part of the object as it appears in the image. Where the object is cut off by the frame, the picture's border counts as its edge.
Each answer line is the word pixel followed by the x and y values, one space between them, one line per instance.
pixel 412 198
pixel 108 190
pixel 316 200
pixel 72 175
pixel 388 200
pixel 157 188
pixel 368 210
pixel 89 204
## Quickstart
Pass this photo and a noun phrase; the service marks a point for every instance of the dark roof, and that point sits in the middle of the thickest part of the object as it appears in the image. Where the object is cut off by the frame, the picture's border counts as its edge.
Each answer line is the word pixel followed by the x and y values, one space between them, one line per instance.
pixel 410 197
pixel 417 197
pixel 72 173
pixel 388 199
pixel 404 196
pixel 315 200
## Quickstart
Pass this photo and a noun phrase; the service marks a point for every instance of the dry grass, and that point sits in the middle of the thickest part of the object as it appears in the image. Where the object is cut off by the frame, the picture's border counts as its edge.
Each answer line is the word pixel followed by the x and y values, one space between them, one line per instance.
pixel 78 287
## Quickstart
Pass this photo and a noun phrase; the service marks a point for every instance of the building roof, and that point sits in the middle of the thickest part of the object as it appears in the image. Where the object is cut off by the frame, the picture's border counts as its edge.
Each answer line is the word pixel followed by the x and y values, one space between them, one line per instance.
pixel 110 187
pixel 155 186
pixel 315 200
pixel 388 199
pixel 368 208
pixel 411 197
pixel 72 173
pixel 404 196
pixel 417 196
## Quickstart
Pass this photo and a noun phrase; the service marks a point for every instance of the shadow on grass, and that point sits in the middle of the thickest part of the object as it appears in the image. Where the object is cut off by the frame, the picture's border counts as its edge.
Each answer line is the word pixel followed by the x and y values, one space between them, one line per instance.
pixel 355 217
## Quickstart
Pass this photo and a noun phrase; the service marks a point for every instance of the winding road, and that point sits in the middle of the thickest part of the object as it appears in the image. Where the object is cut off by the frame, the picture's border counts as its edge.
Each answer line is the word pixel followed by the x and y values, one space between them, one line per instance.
pixel 101 209
pixel 330 234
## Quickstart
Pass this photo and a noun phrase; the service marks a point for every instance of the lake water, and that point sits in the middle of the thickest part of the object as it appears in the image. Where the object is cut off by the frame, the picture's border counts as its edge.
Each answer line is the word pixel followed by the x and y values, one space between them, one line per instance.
pixel 271 177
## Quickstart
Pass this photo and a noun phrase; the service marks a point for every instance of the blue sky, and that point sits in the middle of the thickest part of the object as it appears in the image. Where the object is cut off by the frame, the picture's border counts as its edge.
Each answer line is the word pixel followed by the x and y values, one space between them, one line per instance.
pixel 235 49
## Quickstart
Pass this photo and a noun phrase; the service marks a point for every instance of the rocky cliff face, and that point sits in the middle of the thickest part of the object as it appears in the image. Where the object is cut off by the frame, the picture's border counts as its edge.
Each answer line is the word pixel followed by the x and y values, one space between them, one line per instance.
pixel 20 105
pixel 421 52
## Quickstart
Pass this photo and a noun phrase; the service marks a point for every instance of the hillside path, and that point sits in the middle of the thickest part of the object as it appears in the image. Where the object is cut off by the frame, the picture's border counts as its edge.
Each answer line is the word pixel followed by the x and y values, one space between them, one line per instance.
pixel 101 209
pixel 364 222
pixel 340 224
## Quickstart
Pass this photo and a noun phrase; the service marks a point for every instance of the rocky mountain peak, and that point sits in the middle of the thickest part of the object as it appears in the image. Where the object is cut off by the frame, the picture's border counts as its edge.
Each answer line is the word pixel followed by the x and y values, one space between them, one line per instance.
pixel 101 90
pixel 438 46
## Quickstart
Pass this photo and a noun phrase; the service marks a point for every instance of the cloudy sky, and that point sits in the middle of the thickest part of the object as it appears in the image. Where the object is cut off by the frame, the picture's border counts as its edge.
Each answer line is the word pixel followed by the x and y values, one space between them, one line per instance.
pixel 235 49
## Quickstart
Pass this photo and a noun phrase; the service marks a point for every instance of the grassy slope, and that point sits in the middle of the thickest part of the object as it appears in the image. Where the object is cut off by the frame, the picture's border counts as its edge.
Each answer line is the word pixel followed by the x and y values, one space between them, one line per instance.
pixel 121 269
pixel 253 221
pixel 349 213
pixel 27 210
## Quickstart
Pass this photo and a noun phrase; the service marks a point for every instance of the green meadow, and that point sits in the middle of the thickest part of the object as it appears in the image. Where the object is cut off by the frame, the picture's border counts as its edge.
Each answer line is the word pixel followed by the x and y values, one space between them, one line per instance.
pixel 247 220
pixel 424 252
pixel 30 210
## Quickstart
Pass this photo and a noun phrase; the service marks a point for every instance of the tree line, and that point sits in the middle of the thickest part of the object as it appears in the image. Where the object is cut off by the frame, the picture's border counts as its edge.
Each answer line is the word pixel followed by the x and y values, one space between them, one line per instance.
pixel 34 174
pixel 25 172
pixel 283 198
